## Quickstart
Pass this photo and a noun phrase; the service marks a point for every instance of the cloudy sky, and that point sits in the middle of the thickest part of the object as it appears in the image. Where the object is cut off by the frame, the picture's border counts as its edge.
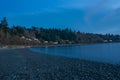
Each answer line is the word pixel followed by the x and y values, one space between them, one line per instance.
pixel 96 16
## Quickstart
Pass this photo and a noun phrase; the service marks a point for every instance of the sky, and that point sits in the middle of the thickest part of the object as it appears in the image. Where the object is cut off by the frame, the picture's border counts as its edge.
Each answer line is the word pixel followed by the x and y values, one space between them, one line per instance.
pixel 94 16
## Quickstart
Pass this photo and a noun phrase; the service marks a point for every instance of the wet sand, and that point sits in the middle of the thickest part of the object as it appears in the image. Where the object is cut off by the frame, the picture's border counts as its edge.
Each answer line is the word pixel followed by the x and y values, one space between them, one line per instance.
pixel 22 64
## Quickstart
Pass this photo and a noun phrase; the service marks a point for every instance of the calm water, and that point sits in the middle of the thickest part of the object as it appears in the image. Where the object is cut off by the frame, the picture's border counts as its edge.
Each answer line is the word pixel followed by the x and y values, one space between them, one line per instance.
pixel 109 53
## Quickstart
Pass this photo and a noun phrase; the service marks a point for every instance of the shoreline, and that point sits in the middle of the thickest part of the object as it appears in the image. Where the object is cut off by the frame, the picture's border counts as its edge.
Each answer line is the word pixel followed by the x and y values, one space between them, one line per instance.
pixel 45 45
pixel 69 44
pixel 18 64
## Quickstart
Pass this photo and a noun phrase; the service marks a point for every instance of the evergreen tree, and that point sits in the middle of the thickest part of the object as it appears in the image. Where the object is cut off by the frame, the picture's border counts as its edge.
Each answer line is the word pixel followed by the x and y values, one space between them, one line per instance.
pixel 18 35
pixel 4 25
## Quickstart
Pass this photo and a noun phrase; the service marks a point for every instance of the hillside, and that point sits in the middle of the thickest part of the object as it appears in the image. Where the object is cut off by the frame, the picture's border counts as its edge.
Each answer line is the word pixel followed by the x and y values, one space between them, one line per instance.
pixel 19 35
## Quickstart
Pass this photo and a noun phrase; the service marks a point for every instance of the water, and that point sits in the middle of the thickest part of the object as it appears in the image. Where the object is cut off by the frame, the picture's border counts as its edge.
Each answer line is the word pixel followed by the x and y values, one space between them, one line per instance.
pixel 109 53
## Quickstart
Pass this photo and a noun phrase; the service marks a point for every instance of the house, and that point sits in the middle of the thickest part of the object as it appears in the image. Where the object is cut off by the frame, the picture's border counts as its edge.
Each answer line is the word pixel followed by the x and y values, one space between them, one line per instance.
pixel 105 41
pixel 55 43
pixel 23 37
pixel 35 39
pixel 110 40
pixel 45 42
pixel 30 39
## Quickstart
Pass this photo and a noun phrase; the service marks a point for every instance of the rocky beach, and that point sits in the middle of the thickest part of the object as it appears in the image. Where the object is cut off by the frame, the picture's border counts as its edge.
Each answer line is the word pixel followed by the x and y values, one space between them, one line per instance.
pixel 22 64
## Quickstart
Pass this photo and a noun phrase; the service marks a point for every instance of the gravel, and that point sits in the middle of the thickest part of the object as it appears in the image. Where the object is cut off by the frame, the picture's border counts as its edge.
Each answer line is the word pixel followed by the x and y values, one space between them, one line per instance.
pixel 22 64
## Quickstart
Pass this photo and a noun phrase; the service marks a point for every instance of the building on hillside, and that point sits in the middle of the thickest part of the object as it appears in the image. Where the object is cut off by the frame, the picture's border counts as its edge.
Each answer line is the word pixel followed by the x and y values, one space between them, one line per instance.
pixel 23 37
pixel 55 43
pixel 45 42
pixel 105 41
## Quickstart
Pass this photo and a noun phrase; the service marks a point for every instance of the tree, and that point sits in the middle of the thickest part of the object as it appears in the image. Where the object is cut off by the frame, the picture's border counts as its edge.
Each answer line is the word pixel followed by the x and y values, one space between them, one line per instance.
pixel 4 25
pixel 4 22
pixel 15 34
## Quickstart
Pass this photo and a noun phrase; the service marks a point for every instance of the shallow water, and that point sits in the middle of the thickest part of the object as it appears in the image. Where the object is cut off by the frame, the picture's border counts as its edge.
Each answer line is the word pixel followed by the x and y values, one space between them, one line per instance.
pixel 109 52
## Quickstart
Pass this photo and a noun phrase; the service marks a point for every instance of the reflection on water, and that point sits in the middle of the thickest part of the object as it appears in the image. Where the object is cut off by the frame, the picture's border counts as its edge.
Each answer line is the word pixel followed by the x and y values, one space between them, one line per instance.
pixel 98 52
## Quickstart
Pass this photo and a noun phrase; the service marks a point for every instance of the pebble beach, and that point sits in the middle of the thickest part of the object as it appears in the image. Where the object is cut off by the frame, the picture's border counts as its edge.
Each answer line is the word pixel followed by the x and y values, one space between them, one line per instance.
pixel 22 64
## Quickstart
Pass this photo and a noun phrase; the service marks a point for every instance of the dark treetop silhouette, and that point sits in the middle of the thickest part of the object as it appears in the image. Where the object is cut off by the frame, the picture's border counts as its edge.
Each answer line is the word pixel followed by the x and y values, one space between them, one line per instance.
pixel 18 35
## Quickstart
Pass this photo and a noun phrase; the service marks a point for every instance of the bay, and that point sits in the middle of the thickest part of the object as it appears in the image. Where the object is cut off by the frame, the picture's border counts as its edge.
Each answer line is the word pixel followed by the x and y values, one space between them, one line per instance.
pixel 108 52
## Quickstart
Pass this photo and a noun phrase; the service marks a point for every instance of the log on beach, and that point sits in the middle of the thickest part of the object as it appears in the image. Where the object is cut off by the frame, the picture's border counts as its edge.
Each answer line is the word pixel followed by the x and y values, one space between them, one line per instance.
pixel 22 64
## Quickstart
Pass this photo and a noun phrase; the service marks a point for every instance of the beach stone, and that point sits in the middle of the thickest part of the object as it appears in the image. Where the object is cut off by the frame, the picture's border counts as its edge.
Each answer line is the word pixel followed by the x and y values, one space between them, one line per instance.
pixel 22 64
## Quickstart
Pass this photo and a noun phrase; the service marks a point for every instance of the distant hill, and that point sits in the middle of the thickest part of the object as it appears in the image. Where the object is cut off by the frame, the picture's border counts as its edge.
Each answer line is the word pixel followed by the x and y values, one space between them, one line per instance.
pixel 18 35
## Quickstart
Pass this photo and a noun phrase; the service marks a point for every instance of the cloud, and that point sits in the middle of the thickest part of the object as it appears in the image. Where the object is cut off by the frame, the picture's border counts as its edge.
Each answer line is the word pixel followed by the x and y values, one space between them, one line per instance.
pixel 98 9
pixel 78 3
pixel 113 30
pixel 113 13
pixel 84 15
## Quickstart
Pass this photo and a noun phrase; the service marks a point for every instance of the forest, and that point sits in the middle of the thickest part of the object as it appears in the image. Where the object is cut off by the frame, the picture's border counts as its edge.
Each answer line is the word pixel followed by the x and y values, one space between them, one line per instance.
pixel 20 35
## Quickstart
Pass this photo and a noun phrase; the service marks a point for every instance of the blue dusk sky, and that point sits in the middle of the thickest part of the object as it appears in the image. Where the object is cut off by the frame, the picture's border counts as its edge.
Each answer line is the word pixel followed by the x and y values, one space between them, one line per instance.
pixel 94 16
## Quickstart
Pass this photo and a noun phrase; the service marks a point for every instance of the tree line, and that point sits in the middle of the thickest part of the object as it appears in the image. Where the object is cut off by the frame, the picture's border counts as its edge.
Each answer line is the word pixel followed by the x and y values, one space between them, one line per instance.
pixel 19 35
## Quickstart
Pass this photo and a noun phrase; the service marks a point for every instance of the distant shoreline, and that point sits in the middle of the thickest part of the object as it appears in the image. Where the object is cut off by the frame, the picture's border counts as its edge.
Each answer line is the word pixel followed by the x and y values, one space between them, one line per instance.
pixel 14 47
pixel 45 45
